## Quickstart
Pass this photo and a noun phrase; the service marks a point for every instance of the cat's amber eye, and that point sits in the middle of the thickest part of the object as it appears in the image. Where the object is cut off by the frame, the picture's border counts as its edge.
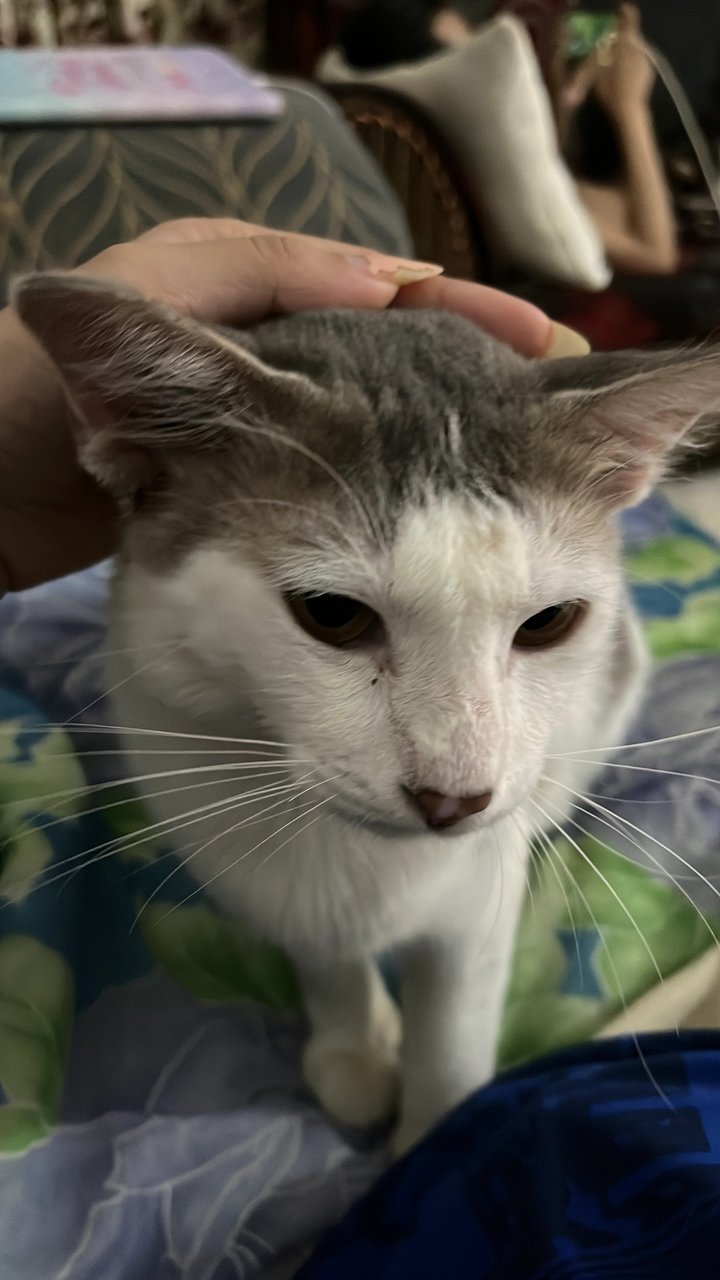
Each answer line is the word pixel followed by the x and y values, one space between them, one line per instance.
pixel 335 620
pixel 549 627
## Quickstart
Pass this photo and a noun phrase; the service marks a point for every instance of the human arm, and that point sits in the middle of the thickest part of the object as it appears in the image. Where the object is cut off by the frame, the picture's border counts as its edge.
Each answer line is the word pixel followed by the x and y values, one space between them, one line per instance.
pixel 53 519
pixel 636 221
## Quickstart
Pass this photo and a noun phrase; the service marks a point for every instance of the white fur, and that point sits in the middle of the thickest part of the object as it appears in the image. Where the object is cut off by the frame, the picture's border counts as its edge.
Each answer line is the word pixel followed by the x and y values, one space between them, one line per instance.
pixel 449 706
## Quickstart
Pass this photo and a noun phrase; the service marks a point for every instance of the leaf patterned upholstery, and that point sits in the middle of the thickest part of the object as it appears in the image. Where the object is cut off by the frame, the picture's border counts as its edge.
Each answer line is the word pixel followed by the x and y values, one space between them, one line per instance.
pixel 67 193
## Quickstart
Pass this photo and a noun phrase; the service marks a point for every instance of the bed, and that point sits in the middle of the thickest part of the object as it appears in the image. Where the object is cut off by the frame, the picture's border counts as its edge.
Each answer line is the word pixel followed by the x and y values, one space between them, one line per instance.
pixel 154 1124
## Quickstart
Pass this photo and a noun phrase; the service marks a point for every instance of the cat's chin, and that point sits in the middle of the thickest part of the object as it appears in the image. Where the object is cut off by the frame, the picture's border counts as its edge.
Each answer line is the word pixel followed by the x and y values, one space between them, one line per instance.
pixel 400 828
pixel 388 828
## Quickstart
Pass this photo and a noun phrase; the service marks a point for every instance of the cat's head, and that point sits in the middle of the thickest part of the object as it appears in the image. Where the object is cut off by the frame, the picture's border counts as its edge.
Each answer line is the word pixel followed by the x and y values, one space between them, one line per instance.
pixel 393 535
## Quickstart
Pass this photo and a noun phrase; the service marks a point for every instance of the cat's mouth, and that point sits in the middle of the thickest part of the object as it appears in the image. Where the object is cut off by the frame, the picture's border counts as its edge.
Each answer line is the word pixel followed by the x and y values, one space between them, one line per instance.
pixel 402 826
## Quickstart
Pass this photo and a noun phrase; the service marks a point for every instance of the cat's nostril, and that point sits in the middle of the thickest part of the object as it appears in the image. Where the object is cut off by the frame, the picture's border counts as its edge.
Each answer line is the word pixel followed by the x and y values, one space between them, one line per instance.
pixel 440 810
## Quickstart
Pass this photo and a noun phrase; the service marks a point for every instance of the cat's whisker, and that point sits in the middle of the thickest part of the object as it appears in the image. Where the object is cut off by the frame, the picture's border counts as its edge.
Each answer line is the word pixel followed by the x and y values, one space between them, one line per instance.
pixel 122 845
pixel 603 879
pixel 99 655
pixel 89 789
pixel 249 852
pixel 675 878
pixel 201 888
pixel 89 727
pixel 319 818
pixel 619 854
pixel 528 881
pixel 216 808
pixel 176 850
pixel 201 849
pixel 559 861
pixel 611 962
pixel 133 798
pixel 120 684
pixel 664 773
pixel 255 821
pixel 547 845
pixel 601 795
pixel 163 828
pixel 167 751
pixel 631 746
pixel 639 831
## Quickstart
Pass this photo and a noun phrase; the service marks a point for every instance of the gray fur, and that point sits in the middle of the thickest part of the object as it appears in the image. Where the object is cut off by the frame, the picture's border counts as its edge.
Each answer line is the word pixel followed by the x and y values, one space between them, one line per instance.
pixel 390 407
pixel 392 378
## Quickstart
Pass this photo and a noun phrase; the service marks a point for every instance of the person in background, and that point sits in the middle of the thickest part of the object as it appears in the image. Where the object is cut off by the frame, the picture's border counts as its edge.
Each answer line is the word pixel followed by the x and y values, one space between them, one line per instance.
pixel 634 215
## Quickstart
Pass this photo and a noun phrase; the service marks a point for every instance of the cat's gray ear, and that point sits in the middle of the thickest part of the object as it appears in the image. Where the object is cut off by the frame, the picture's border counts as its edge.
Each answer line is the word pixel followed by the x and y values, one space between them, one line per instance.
pixel 622 416
pixel 143 382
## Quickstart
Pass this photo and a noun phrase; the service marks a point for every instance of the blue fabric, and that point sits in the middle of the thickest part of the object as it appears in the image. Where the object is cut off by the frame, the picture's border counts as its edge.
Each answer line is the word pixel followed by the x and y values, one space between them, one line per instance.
pixel 602 1161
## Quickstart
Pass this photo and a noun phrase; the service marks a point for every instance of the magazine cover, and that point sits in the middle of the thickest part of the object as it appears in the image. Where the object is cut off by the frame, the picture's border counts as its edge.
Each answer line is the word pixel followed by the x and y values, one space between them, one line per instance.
pixel 154 83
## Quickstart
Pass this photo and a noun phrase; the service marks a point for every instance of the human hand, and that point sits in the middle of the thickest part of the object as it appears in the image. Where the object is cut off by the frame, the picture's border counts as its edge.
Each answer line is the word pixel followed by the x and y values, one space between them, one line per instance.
pixel 53 519
pixel 624 75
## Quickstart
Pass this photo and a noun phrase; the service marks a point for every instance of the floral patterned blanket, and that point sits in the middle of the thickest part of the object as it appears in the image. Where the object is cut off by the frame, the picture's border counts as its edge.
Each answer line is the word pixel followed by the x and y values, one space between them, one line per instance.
pixel 153 1120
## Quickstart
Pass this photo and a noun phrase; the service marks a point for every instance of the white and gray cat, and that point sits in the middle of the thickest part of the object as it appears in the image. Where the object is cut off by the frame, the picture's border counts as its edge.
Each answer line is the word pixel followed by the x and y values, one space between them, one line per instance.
pixel 385 547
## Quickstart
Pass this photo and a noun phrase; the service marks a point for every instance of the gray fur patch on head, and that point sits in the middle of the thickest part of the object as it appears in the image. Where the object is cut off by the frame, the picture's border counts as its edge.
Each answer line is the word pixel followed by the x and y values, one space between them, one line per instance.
pixel 397 380
pixel 343 419
pixel 411 404
pixel 407 406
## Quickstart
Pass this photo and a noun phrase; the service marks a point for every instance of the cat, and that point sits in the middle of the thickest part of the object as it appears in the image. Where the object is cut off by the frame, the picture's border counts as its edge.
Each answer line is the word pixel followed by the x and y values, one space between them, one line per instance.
pixel 384 548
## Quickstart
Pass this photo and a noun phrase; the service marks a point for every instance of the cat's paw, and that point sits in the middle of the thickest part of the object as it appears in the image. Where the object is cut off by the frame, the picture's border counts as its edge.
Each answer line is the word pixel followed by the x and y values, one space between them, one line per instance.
pixel 359 1086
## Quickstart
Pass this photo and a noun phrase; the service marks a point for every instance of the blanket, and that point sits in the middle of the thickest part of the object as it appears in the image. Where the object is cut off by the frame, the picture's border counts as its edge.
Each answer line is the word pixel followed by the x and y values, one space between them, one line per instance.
pixel 153 1120
pixel 504 1188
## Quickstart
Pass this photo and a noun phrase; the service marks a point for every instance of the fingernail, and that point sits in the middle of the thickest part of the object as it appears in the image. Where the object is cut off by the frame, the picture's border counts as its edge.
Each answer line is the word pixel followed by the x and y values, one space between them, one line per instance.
pixel 565 342
pixel 403 273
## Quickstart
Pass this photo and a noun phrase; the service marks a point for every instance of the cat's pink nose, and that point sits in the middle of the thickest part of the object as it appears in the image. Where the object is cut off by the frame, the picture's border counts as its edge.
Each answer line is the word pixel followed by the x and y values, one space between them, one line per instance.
pixel 439 810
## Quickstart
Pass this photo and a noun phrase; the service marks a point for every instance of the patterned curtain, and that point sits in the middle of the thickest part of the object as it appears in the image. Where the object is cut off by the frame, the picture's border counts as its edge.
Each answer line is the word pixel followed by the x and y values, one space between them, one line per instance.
pixel 235 25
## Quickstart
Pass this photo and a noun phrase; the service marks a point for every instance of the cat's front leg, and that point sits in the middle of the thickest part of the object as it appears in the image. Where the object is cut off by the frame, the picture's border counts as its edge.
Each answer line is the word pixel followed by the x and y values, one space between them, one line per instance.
pixel 453 991
pixel 351 1059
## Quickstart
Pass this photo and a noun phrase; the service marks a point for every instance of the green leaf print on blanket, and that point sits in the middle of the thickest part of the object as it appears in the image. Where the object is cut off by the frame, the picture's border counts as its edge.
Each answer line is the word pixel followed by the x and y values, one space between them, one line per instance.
pixel 695 630
pixel 688 570
pixel 674 559
pixel 36 1002
pixel 215 959
pixel 42 786
pixel 597 932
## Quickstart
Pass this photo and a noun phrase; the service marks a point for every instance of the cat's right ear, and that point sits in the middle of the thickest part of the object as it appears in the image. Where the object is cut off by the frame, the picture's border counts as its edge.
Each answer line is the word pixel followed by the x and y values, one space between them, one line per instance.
pixel 623 415
pixel 142 382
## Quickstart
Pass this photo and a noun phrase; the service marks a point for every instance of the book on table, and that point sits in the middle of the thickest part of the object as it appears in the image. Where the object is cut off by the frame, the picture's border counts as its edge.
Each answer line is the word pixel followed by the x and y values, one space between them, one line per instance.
pixel 125 83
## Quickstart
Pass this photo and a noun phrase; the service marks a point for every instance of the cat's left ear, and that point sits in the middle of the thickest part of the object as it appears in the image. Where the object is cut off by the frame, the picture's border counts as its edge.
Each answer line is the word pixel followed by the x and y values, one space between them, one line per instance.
pixel 144 383
pixel 619 418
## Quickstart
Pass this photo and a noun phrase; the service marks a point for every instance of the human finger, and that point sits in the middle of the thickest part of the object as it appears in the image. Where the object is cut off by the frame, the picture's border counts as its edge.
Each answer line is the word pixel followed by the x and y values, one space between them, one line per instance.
pixel 192 230
pixel 514 321
pixel 244 280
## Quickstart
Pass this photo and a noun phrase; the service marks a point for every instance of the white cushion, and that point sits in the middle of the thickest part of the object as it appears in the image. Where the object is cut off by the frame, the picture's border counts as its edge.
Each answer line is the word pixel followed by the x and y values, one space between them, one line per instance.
pixel 488 99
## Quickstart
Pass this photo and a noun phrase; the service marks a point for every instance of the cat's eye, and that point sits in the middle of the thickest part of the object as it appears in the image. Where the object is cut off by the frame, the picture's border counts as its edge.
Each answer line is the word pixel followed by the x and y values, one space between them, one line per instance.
pixel 549 627
pixel 335 620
